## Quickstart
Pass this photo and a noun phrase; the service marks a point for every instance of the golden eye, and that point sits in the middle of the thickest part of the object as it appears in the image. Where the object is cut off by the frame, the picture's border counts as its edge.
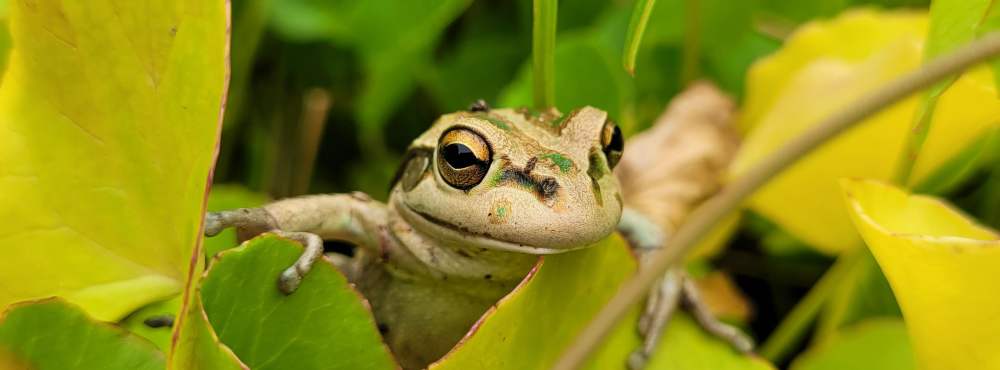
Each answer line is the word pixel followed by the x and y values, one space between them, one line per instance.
pixel 612 143
pixel 463 158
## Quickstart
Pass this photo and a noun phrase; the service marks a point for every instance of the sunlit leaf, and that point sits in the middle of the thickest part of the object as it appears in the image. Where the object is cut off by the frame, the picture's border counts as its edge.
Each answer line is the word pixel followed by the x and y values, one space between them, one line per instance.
pixel 322 325
pixel 532 325
pixel 823 67
pixel 53 335
pixel 109 113
pixel 941 266
pixel 876 344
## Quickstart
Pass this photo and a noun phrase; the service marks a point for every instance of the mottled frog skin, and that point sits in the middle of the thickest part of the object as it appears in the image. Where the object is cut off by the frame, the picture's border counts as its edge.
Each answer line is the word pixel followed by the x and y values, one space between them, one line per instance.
pixel 478 196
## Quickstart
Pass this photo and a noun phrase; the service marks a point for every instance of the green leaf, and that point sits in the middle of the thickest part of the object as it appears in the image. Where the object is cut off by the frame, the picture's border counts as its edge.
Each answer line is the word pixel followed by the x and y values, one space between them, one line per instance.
pixel 51 334
pixel 861 294
pixel 394 40
pixel 109 115
pixel 952 24
pixel 876 344
pixel 322 325
pixel 161 335
pixel 226 197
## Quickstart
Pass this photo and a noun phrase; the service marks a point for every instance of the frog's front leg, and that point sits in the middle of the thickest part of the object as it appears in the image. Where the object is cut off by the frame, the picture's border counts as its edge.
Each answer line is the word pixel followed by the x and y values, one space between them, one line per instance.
pixel 353 218
pixel 673 289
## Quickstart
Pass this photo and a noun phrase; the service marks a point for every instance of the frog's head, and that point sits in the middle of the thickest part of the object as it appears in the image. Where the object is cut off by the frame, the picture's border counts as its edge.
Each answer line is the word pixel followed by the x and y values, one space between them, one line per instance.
pixel 512 180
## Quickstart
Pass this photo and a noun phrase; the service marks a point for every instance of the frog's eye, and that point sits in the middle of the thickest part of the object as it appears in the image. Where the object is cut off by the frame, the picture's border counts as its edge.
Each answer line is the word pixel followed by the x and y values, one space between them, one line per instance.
pixel 612 143
pixel 463 158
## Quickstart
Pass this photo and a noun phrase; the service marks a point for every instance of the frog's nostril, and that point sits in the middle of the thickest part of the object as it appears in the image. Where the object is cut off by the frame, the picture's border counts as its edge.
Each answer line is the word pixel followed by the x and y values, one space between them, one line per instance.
pixel 548 187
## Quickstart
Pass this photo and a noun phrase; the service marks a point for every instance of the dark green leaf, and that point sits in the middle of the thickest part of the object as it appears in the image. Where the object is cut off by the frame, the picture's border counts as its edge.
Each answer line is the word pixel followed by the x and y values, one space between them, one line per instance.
pixel 52 334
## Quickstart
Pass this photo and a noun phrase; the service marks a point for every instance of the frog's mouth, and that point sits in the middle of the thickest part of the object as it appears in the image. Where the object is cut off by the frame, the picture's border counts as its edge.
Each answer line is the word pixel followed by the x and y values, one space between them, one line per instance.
pixel 445 230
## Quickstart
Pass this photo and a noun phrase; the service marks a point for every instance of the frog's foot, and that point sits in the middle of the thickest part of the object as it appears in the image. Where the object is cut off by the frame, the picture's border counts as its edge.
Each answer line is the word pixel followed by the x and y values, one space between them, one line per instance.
pixel 289 280
pixel 248 222
pixel 671 291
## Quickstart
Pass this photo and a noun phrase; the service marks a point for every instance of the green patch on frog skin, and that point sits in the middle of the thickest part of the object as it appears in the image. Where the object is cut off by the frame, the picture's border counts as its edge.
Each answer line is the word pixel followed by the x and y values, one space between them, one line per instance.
pixel 559 160
pixel 499 123
pixel 496 179
pixel 502 212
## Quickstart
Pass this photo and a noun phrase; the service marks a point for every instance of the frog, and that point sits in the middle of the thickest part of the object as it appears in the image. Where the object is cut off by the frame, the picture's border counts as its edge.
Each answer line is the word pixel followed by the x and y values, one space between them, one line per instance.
pixel 477 198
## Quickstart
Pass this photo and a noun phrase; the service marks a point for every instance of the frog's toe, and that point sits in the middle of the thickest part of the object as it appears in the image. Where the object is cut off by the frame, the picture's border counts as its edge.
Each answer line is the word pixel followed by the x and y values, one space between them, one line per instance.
pixel 214 223
pixel 289 280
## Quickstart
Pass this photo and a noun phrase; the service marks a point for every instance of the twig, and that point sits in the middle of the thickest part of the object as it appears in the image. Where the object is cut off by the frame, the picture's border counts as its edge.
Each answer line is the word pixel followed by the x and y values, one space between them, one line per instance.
pixel 543 53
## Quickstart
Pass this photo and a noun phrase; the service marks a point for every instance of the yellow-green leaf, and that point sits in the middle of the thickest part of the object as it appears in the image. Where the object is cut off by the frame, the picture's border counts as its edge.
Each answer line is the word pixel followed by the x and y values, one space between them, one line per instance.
pixel 109 114
pixel 942 267
pixel 195 345
pixel 823 67
pixel 160 334
pixel 533 325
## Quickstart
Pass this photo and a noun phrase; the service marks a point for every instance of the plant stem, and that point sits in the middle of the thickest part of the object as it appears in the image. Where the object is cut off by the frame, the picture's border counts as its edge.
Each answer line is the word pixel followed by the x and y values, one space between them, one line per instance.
pixel 797 321
pixel 705 217
pixel 636 27
pixel 543 47
pixel 692 42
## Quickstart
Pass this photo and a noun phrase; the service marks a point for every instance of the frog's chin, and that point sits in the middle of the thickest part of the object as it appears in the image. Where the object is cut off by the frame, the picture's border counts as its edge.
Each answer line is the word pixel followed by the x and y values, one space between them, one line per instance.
pixel 445 231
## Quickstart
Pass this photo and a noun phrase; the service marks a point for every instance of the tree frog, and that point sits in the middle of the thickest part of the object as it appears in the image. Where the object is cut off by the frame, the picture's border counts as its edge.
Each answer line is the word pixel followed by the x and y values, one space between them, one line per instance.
pixel 478 196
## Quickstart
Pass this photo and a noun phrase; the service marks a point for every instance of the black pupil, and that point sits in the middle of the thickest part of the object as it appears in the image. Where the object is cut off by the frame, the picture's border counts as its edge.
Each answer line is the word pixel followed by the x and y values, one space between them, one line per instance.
pixel 459 155
pixel 617 143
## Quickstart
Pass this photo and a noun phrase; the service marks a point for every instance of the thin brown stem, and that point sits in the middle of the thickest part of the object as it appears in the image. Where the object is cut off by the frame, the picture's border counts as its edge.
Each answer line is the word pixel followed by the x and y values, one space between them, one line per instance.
pixel 705 217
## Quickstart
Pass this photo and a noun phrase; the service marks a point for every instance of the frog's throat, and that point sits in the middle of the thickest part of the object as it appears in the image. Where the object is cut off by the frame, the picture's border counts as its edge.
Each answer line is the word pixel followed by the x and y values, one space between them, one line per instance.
pixel 447 231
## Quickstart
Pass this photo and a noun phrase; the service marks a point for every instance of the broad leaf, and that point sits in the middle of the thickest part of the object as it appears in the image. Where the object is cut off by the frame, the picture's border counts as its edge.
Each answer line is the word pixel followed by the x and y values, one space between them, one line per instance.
pixel 876 344
pixel 821 69
pixel 941 266
pixel 533 325
pixel 323 325
pixel 109 115
pixel 53 335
